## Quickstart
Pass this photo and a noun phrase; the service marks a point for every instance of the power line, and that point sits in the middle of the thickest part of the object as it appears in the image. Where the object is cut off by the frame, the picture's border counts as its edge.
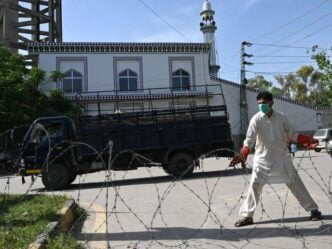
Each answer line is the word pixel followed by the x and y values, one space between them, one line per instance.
pixel 299 30
pixel 283 46
pixel 311 34
pixel 283 62
pixel 290 22
pixel 270 73
pixel 322 17
pixel 283 56
pixel 231 60
pixel 304 27
pixel 305 37
pixel 161 18
pixel 279 45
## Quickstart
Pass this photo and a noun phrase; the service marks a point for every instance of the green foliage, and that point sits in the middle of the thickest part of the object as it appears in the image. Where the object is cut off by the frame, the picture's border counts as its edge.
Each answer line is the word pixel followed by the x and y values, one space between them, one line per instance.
pixel 304 72
pixel 63 241
pixel 55 76
pixel 276 91
pixel 20 99
pixel 325 67
pixel 36 76
pixel 259 83
pixel 24 217
pixel 307 85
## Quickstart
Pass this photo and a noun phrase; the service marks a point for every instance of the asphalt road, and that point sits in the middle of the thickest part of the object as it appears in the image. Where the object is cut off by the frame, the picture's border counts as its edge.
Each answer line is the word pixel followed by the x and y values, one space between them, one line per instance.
pixel 148 209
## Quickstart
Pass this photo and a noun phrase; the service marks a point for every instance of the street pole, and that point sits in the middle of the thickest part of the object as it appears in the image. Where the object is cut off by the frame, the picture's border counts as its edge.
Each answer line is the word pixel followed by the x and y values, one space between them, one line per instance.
pixel 243 94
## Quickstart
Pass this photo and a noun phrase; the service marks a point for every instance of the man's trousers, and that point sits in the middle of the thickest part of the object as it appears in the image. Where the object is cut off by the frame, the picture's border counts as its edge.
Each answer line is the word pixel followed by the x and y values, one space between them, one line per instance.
pixel 295 185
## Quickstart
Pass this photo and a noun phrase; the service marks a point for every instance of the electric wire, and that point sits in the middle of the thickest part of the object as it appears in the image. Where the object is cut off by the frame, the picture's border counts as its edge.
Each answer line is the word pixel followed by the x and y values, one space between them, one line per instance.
pixel 300 40
pixel 163 19
pixel 292 21
pixel 298 30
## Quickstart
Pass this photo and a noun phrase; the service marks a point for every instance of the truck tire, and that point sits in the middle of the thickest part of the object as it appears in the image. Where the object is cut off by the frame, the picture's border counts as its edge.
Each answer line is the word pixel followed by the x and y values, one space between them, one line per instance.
pixel 180 165
pixel 72 177
pixel 56 177
pixel 317 150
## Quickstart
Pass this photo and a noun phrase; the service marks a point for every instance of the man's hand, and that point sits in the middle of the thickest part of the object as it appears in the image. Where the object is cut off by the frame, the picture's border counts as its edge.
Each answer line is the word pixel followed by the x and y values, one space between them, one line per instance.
pixel 307 141
pixel 312 145
pixel 241 158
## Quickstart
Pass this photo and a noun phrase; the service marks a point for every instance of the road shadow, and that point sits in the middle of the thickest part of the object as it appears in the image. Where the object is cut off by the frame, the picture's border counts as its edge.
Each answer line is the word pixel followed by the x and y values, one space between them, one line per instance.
pixel 155 180
pixel 307 156
pixel 224 234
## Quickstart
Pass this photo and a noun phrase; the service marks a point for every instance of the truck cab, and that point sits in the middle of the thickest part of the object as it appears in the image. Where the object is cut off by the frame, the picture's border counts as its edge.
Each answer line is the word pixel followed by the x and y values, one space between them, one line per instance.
pixel 46 144
pixel 323 136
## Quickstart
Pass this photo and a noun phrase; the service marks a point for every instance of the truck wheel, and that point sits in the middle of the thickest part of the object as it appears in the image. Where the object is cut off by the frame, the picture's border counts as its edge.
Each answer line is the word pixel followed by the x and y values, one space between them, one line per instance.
pixel 317 150
pixel 181 165
pixel 56 177
pixel 72 177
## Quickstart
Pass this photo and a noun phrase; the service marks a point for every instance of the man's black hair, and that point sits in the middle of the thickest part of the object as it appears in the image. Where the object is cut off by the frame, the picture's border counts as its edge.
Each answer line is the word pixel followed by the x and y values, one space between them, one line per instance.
pixel 265 95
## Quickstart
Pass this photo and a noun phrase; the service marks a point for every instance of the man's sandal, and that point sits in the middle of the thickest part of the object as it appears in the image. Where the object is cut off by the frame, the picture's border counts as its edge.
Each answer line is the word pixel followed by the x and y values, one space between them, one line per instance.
pixel 244 222
pixel 315 215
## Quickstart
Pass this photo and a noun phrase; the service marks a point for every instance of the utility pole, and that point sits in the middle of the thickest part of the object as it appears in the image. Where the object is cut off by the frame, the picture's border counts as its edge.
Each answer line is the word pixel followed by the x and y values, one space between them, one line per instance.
pixel 243 94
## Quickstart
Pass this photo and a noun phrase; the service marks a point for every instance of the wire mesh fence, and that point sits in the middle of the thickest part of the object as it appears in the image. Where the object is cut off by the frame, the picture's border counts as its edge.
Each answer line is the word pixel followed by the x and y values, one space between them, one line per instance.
pixel 145 208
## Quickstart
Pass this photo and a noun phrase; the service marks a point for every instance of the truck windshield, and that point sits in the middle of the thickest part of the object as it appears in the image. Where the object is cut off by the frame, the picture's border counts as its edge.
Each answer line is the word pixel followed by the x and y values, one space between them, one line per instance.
pixel 320 133
pixel 42 133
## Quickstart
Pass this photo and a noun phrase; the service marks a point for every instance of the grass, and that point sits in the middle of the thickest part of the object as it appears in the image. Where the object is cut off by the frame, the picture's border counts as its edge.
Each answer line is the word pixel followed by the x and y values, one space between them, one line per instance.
pixel 23 218
pixel 63 241
pixel 66 241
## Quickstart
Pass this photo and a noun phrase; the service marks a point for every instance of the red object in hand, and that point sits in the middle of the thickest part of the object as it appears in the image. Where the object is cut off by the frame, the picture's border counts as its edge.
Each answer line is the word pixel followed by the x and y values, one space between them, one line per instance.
pixel 241 158
pixel 307 141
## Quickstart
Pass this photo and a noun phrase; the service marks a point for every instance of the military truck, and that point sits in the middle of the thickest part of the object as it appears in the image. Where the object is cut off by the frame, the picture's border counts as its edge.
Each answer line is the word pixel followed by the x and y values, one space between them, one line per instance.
pixel 60 148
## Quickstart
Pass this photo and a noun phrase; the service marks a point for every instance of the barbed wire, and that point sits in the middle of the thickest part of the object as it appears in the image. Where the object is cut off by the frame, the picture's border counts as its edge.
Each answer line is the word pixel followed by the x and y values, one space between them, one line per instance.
pixel 153 236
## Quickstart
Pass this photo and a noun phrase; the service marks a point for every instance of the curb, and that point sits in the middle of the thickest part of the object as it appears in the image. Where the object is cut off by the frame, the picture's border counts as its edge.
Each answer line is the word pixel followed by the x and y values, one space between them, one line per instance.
pixel 67 218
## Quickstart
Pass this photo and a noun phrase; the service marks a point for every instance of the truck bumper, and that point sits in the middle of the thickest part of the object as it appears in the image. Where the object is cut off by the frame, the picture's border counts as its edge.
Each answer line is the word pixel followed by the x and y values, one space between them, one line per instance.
pixel 28 172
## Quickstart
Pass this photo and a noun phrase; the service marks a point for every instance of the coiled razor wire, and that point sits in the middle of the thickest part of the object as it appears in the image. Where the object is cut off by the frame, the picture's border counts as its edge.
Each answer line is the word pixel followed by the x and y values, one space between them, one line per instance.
pixel 224 238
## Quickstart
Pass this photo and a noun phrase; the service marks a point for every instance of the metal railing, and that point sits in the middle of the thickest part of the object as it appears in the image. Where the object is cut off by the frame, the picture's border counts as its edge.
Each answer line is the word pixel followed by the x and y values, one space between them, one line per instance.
pixel 159 98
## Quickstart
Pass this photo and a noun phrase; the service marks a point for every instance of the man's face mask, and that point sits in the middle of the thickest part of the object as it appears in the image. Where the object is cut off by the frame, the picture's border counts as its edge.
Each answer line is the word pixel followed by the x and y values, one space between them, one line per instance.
pixel 264 108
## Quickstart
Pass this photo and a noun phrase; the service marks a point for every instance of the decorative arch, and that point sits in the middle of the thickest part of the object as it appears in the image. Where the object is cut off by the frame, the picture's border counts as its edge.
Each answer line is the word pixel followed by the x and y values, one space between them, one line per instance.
pixel 128 80
pixel 180 80
pixel 72 81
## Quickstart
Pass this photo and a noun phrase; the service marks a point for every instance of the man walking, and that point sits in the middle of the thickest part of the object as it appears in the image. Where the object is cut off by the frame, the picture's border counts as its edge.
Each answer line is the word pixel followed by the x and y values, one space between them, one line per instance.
pixel 271 131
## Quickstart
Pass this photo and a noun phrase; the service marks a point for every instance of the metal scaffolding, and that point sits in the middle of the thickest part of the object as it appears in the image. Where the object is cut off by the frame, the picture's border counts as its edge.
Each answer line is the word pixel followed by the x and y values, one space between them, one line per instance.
pixel 24 21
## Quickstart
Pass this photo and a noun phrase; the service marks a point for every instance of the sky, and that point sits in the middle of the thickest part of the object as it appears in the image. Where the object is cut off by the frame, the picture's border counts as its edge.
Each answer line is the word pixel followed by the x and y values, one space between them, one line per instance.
pixel 294 23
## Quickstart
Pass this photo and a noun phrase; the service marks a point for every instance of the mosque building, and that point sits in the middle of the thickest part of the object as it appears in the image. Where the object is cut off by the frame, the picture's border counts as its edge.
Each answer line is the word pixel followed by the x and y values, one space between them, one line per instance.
pixel 119 77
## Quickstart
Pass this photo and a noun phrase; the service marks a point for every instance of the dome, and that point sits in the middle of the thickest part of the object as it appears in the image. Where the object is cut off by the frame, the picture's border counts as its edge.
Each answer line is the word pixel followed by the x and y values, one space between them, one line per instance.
pixel 207 6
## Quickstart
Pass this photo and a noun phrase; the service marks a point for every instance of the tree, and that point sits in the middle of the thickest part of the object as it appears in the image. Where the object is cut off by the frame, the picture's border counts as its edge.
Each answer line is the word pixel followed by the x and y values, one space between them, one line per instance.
pixel 287 84
pixel 285 87
pixel 259 83
pixel 325 67
pixel 311 78
pixel 36 76
pixel 20 99
pixel 304 73
pixel 303 85
pixel 56 76
pixel 276 91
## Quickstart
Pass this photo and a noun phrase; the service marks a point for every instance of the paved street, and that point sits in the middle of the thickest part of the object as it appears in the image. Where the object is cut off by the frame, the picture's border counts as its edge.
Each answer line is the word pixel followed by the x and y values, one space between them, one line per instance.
pixel 146 209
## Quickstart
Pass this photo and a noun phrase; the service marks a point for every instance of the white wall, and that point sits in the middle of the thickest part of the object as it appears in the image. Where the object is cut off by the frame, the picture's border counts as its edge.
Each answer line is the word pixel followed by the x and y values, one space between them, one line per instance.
pixel 101 75
pixel 301 117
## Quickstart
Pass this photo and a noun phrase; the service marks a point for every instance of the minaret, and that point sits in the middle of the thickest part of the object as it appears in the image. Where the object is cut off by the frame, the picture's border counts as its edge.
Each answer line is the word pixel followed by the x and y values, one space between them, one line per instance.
pixel 208 28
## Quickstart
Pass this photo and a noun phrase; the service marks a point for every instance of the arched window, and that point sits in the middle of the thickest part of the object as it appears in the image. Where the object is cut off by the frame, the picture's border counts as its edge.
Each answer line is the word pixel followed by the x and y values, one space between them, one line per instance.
pixel 72 81
pixel 180 80
pixel 128 80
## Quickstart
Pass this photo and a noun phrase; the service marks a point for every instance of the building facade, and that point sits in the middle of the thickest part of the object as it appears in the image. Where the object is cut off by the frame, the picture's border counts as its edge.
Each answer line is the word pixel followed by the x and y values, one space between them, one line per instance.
pixel 120 77
pixel 126 76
